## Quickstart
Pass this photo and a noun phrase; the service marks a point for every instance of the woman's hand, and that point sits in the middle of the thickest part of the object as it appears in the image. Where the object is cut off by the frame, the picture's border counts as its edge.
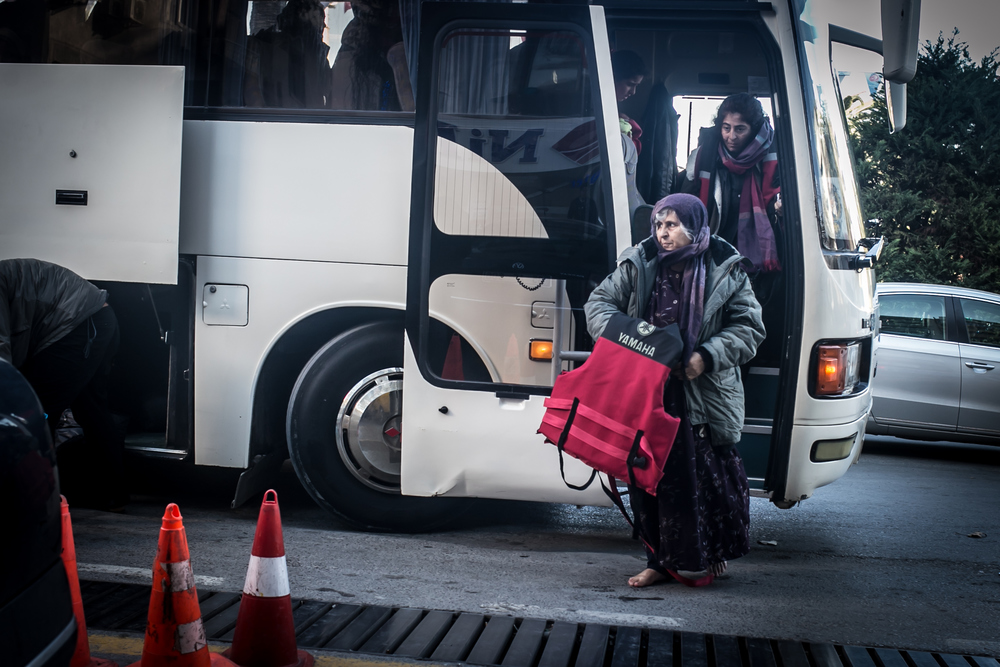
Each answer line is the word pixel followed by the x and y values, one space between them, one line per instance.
pixel 695 367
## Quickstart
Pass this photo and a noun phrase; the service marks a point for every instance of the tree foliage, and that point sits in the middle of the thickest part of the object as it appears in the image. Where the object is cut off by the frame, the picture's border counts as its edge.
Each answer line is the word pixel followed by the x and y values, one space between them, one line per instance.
pixel 933 189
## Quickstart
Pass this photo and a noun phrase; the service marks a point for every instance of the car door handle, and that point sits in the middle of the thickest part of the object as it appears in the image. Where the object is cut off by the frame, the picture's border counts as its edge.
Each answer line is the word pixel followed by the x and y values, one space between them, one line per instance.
pixel 979 366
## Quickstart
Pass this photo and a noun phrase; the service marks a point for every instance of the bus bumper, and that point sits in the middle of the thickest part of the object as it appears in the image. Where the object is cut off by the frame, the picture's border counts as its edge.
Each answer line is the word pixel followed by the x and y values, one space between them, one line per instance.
pixel 805 474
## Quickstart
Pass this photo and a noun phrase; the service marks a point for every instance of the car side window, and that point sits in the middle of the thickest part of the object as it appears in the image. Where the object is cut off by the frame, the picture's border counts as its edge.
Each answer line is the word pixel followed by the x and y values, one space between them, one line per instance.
pixel 982 319
pixel 914 315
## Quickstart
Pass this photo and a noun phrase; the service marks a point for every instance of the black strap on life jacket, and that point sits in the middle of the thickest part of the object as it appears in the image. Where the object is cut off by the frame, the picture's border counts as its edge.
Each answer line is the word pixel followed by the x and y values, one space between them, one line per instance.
pixel 632 460
pixel 562 443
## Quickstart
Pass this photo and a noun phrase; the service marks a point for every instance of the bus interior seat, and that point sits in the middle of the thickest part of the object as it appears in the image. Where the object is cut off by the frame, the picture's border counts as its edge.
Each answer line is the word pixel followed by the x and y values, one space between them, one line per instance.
pixel 641 223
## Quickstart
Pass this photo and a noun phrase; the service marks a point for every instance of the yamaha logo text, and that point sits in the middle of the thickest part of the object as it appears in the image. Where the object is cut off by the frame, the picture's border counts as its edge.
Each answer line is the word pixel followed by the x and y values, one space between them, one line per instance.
pixel 636 344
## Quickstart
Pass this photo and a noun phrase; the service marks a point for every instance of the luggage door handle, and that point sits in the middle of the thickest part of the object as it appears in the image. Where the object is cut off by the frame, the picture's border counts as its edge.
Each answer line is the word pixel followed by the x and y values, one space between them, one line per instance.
pixel 979 367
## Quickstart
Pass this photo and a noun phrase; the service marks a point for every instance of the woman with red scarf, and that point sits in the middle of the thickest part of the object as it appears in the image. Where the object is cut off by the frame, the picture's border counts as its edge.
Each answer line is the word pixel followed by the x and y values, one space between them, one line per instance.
pixel 734 173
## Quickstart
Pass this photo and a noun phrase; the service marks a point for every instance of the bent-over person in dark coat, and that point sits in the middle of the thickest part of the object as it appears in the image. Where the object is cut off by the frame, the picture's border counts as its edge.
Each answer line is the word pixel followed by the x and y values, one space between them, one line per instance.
pixel 60 332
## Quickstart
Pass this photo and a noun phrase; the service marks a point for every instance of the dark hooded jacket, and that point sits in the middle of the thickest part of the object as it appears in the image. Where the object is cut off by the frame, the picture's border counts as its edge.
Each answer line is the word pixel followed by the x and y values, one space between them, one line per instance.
pixel 40 303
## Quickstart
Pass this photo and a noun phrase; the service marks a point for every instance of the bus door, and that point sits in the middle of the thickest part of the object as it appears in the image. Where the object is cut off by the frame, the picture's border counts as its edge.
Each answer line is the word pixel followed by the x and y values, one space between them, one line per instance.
pixel 91 170
pixel 518 212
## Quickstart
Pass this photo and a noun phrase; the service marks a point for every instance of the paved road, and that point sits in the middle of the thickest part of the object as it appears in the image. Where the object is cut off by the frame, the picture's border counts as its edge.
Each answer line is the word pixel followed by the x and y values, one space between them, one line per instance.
pixel 881 558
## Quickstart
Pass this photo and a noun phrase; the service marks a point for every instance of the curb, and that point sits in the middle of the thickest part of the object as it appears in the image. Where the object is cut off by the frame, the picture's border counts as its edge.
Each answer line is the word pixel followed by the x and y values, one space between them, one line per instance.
pixel 358 635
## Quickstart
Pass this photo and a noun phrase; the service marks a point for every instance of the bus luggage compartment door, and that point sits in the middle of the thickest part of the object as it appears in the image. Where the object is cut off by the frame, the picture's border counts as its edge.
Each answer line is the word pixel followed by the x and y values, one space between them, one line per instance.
pixel 91 166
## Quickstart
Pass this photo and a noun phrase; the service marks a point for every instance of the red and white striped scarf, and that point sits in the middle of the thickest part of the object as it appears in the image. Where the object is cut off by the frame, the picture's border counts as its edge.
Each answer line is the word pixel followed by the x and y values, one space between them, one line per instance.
pixel 755 236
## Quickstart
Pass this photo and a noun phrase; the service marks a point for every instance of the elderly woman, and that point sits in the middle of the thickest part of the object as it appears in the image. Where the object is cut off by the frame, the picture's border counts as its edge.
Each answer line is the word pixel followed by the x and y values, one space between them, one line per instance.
pixel 700 515
pixel 734 173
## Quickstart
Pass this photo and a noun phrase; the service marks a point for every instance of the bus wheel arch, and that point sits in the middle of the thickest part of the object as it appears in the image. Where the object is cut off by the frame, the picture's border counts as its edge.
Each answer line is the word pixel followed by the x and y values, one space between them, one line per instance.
pixel 343 421
pixel 285 361
pixel 273 386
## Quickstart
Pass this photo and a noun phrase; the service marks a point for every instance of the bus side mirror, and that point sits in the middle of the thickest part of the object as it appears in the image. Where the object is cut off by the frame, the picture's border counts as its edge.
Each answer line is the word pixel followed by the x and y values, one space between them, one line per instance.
pixel 895 102
pixel 900 25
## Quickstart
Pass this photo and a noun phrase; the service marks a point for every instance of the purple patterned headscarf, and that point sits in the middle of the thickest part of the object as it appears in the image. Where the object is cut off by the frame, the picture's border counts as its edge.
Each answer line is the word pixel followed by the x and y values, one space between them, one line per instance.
pixel 693 215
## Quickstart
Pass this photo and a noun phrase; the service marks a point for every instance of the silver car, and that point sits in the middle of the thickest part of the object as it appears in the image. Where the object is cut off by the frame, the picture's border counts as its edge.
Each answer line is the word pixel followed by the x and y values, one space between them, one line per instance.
pixel 937 371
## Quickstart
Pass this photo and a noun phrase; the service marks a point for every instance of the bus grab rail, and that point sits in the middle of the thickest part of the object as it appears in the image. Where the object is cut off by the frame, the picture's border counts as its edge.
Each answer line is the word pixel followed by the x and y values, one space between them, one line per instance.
pixel 558 326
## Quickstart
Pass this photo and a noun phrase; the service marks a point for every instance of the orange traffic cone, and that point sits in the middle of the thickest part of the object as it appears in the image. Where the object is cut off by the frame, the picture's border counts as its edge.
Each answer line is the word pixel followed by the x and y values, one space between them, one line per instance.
pixel 265 633
pixel 81 656
pixel 452 369
pixel 174 633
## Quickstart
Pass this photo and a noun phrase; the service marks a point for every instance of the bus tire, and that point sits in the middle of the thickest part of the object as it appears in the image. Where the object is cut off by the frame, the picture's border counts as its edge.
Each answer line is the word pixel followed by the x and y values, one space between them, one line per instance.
pixel 353 385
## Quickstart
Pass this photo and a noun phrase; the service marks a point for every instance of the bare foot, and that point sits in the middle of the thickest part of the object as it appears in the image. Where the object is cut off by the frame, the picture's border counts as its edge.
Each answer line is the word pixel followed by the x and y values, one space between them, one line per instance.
pixel 718 569
pixel 647 577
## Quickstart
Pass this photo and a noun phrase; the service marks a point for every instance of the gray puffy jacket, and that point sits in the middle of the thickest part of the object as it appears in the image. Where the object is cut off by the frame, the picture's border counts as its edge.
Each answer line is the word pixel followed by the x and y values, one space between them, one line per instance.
pixel 731 328
pixel 40 303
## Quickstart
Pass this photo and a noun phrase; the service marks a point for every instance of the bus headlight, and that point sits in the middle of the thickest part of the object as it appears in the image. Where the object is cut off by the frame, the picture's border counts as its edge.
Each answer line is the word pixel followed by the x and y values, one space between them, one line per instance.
pixel 838 368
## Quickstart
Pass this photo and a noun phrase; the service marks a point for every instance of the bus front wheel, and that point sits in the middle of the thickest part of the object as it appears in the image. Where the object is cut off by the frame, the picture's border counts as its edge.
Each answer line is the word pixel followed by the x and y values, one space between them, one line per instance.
pixel 344 430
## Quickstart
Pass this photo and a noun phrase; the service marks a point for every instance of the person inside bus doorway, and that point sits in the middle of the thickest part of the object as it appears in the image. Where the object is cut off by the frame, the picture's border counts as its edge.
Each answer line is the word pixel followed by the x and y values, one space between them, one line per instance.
pixel 699 519
pixel 60 332
pixel 734 171
pixel 629 71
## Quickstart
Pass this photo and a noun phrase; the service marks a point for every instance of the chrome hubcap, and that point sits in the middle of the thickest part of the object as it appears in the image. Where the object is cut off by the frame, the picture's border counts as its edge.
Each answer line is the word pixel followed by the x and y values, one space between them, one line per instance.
pixel 369 437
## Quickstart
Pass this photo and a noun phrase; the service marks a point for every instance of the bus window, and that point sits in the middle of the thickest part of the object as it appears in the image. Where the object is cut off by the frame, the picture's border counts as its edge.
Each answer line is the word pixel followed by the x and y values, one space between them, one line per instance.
pixel 99 32
pixel 278 54
pixel 513 124
pixel 841 226
pixel 308 54
pixel 286 61
pixel 517 190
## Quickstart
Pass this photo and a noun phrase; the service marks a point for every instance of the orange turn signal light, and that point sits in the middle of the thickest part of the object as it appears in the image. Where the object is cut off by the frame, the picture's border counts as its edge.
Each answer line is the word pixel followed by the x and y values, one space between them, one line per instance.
pixel 830 371
pixel 838 368
pixel 540 350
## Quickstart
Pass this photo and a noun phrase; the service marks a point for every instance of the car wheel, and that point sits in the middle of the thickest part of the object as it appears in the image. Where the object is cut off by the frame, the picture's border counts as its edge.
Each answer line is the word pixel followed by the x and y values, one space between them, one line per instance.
pixel 344 430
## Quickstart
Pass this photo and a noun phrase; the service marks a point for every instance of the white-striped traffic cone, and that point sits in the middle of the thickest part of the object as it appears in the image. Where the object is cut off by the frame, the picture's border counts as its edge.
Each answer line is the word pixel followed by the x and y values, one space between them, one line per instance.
pixel 175 636
pixel 265 632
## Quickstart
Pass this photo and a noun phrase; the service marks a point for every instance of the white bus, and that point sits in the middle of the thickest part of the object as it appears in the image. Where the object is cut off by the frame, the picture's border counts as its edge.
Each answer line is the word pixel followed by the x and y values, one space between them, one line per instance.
pixel 306 211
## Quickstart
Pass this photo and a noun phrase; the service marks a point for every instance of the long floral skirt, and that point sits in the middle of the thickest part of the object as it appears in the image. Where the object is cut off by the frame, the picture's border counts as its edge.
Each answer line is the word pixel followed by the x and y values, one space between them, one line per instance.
pixel 701 512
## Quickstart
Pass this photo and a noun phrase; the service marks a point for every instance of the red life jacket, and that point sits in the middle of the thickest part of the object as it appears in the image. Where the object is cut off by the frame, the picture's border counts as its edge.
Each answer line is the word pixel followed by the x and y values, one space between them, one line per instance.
pixel 609 412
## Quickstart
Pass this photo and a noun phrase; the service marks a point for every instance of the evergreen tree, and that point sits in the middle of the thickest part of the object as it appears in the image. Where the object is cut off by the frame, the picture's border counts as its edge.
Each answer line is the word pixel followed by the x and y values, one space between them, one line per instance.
pixel 933 189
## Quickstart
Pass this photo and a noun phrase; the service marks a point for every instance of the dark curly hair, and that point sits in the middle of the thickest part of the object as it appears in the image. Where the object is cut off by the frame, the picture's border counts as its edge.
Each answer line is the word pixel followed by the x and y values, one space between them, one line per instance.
pixel 626 64
pixel 745 105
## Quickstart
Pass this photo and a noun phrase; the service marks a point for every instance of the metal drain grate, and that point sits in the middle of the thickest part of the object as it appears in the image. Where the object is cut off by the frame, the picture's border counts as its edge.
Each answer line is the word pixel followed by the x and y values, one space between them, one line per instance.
pixel 503 640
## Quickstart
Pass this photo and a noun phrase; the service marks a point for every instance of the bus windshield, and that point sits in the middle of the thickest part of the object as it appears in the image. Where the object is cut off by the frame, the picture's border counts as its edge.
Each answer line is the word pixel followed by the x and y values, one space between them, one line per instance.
pixel 839 211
